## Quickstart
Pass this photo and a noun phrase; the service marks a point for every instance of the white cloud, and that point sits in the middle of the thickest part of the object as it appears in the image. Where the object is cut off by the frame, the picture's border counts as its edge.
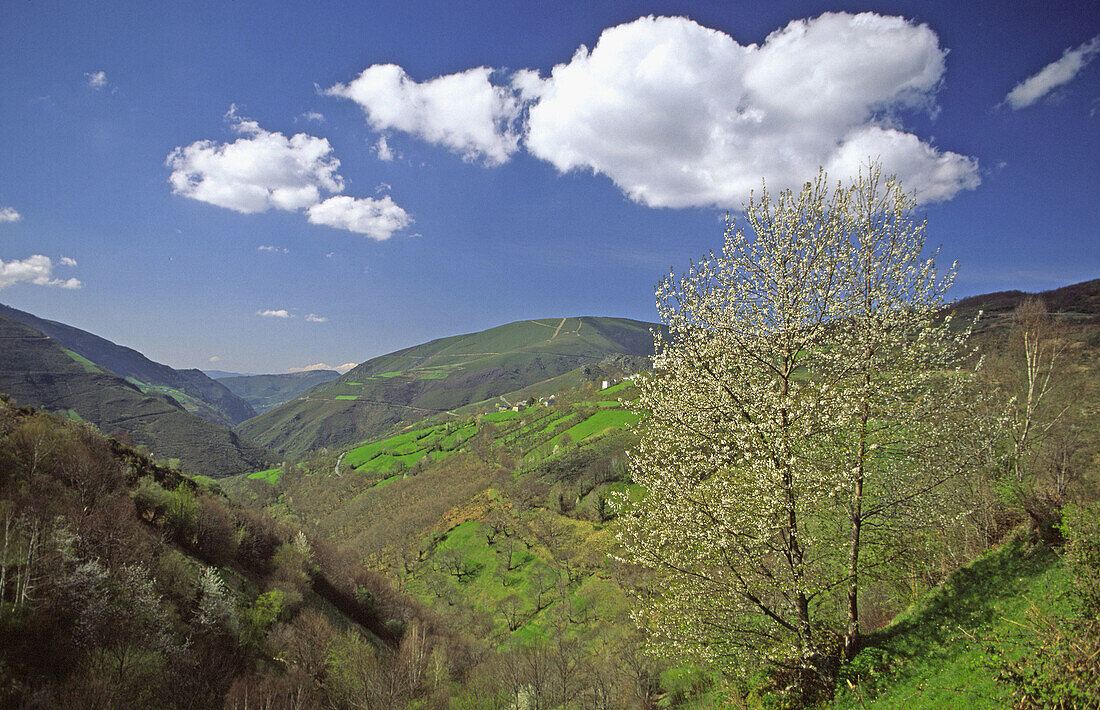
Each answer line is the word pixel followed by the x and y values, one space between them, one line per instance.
pixel 383 150
pixel 37 270
pixel 96 80
pixel 314 116
pixel 213 358
pixel 323 366
pixel 264 170
pixel 680 115
pixel 375 218
pixel 1053 75
pixel 67 261
pixel 8 214
pixel 273 313
pixel 272 248
pixel 314 318
pixel 256 172
pixel 464 112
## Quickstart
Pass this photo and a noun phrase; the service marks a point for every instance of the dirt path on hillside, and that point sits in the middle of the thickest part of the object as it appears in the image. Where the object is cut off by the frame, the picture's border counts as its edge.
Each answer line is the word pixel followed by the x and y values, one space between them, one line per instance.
pixel 557 331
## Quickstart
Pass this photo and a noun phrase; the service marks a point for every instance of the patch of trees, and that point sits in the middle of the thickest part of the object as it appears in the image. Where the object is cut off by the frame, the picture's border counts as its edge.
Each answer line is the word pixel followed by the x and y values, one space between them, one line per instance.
pixel 123 584
pixel 820 433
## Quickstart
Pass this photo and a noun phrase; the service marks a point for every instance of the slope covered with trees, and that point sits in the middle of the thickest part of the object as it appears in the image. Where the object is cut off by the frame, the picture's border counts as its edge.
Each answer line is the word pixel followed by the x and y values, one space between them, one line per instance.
pixel 36 370
pixel 197 392
pixel 124 584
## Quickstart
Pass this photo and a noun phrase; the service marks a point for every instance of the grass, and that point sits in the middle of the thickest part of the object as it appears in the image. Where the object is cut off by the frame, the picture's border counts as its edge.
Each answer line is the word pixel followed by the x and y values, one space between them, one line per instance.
pixel 618 388
pixel 87 364
pixel 271 475
pixel 346 397
pixel 490 580
pixel 598 423
pixel 939 653
pixel 408 448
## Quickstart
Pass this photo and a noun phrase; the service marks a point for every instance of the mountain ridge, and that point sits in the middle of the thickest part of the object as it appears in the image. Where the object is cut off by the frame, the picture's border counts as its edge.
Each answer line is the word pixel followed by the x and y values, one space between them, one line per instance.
pixel 211 401
pixel 37 370
pixel 443 374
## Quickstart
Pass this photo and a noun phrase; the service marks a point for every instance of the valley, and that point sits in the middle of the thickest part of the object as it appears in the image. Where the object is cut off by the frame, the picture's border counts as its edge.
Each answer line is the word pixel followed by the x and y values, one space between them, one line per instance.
pixel 488 494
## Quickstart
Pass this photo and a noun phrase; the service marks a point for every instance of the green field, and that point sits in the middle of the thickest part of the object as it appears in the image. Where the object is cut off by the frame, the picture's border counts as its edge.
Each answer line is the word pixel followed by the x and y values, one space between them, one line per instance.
pixel 271 475
pixel 598 423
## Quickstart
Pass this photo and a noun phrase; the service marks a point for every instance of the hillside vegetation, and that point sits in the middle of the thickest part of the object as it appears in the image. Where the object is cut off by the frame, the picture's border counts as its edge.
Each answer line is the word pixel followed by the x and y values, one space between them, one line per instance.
pixel 443 375
pixel 504 522
pixel 265 392
pixel 197 392
pixel 36 370
pixel 124 584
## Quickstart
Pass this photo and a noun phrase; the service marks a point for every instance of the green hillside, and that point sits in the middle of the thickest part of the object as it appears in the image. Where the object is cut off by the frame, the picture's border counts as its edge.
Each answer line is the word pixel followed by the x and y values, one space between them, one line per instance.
pixel 265 392
pixel 128 585
pixel 194 390
pixel 35 370
pixel 501 521
pixel 443 375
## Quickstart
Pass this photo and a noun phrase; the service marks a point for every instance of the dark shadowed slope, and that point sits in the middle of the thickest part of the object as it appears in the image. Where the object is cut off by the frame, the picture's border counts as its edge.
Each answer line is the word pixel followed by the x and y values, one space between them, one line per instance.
pixel 36 370
pixel 191 388
pixel 1079 303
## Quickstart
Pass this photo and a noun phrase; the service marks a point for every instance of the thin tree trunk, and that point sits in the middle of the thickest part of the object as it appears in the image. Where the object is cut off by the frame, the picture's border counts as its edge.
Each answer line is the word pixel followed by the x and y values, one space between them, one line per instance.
pixel 4 564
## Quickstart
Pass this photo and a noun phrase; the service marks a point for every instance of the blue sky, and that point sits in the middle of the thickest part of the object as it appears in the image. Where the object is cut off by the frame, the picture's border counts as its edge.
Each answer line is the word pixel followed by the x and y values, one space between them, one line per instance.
pixel 180 177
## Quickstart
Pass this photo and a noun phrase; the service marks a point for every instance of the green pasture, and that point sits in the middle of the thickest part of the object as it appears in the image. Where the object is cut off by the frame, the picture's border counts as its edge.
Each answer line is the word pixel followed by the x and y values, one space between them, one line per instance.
pixel 271 475
pixel 598 423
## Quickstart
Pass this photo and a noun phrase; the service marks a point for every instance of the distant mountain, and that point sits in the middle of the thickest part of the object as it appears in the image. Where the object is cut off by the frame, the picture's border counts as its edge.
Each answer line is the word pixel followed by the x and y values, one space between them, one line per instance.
pixel 191 388
pixel 37 370
pixel 265 392
pixel 222 374
pixel 1082 298
pixel 442 375
pixel 1077 303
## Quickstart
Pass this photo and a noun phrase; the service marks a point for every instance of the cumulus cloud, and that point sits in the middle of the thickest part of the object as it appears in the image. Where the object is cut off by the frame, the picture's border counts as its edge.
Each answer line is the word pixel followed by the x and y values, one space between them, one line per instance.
pixel 314 116
pixel 257 172
pixel 383 150
pixel 274 313
pixel 464 112
pixel 314 318
pixel 8 214
pixel 264 170
pixel 375 218
pixel 272 248
pixel 323 366
pixel 96 80
pixel 1053 75
pixel 679 115
pixel 37 270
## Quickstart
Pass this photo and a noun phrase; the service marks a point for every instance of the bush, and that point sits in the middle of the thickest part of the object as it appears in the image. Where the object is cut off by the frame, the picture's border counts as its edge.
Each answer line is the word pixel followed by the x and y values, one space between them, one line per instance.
pixel 150 499
pixel 1061 670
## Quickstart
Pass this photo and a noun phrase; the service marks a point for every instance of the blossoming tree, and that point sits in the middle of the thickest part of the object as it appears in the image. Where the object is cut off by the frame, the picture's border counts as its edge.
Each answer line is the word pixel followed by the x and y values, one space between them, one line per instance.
pixel 804 408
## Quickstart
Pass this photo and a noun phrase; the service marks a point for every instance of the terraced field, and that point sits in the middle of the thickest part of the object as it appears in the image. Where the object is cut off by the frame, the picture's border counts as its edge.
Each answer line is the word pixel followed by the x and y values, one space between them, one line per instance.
pixel 534 358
